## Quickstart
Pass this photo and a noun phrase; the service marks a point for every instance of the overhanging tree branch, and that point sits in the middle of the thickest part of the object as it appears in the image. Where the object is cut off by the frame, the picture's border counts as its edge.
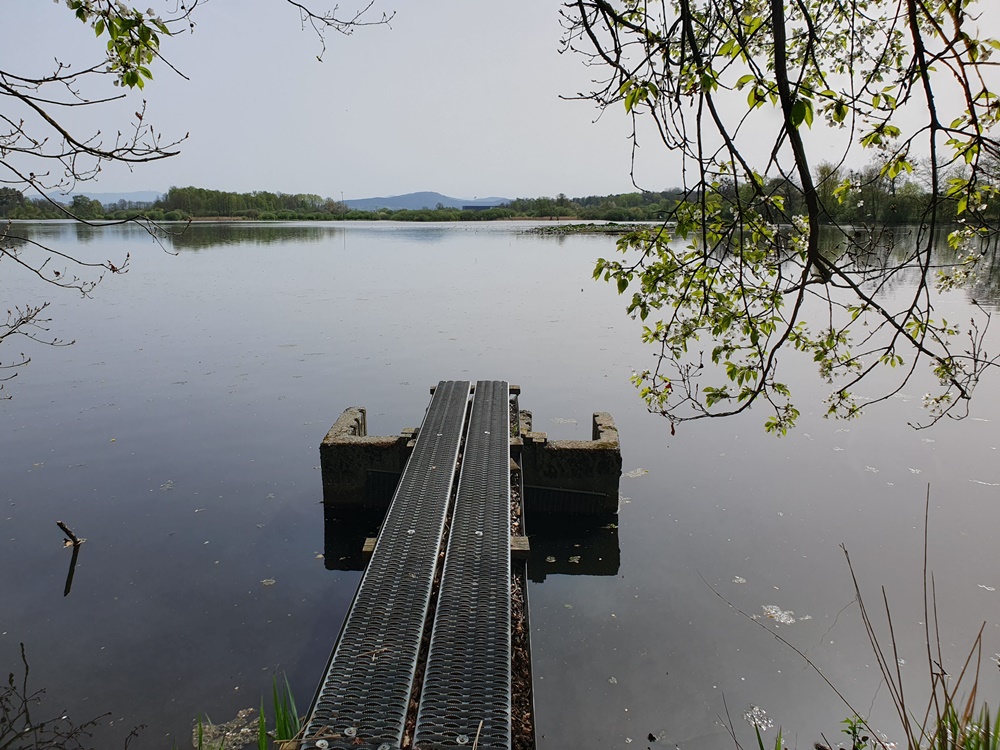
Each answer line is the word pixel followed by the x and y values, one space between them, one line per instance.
pixel 730 268
pixel 43 149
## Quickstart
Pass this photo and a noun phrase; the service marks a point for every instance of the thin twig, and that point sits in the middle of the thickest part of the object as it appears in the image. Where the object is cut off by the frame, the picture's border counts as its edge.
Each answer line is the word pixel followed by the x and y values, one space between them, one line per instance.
pixel 77 541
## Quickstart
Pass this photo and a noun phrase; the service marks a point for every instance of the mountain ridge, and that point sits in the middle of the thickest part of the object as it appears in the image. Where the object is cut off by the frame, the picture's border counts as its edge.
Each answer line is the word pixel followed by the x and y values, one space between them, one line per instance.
pixel 412 201
pixel 420 200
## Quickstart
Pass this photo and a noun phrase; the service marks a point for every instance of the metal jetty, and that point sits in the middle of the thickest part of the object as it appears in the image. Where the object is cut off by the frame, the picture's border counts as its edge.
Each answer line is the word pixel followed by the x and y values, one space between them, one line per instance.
pixel 365 698
pixel 467 678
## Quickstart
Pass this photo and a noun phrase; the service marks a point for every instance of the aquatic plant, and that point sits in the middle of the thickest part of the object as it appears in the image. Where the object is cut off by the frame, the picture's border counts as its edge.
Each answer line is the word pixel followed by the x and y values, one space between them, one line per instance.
pixel 287 724
pixel 950 719
pixel 243 730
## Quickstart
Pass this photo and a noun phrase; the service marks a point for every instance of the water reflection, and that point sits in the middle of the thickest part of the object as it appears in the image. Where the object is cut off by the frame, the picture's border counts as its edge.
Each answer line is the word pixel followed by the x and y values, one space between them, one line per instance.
pixel 344 535
pixel 72 570
pixel 560 544
pixel 216 374
pixel 574 546
pixel 203 235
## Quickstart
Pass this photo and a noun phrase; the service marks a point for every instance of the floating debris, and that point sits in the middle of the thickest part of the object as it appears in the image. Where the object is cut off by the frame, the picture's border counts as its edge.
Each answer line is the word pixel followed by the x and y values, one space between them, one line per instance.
pixel 872 469
pixel 986 588
pixel 776 613
pixel 757 717
pixel 168 485
pixel 739 579
pixel 635 473
pixel 267 581
pixel 560 420
pixel 232 735
pixel 550 559
pixel 985 484
pixel 612 681
pixel 914 471
pixel 574 558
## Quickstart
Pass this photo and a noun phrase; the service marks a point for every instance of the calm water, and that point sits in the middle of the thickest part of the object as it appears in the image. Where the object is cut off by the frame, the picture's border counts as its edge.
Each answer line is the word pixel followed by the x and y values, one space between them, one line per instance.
pixel 180 437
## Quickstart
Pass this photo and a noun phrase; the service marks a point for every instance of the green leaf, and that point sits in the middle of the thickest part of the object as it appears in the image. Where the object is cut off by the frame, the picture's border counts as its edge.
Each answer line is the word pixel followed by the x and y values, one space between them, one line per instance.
pixel 798 112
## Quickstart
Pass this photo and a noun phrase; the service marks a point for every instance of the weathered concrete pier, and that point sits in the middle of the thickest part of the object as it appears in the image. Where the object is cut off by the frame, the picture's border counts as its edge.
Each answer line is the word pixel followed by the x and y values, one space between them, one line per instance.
pixel 424 658
pixel 560 476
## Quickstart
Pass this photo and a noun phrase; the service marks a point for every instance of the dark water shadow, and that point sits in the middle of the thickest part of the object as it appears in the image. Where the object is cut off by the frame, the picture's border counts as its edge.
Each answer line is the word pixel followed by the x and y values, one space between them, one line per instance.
pixel 72 570
pixel 574 546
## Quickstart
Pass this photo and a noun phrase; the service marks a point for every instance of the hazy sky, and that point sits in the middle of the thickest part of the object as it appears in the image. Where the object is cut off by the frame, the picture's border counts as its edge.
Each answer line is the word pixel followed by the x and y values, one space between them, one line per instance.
pixel 460 97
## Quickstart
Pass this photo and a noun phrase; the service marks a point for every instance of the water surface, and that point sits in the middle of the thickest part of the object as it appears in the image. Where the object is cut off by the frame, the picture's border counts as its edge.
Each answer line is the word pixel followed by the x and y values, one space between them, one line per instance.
pixel 180 436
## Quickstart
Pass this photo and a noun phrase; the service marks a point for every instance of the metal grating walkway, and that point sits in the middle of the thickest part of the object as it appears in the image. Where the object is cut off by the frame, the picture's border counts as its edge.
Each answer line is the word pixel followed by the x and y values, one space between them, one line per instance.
pixel 363 699
pixel 467 679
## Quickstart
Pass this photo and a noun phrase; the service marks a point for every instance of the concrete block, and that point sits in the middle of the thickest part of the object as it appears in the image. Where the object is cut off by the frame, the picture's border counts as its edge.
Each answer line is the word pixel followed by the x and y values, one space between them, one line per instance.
pixel 591 468
pixel 347 455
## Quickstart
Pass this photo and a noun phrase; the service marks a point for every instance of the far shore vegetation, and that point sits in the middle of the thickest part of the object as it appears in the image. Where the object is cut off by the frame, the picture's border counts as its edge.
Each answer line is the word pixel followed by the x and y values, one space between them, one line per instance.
pixel 874 200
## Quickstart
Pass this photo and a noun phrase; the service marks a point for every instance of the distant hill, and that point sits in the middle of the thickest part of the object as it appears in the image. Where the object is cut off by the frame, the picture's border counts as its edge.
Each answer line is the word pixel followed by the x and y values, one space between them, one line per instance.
pixel 412 201
pixel 417 201
pixel 138 196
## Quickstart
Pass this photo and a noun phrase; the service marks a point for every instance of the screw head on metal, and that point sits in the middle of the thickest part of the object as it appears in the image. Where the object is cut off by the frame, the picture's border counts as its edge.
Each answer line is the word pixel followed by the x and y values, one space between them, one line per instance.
pixel 351 732
pixel 322 744
pixel 462 739
pixel 385 746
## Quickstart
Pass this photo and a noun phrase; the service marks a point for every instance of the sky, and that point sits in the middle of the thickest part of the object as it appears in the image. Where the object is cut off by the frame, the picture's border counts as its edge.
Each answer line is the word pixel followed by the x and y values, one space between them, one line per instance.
pixel 463 97
pixel 456 96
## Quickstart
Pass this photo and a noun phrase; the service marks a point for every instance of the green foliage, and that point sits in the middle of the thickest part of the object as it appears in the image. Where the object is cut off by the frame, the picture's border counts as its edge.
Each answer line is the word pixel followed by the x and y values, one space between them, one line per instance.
pixel 955 730
pixel 83 207
pixel 856 729
pixel 286 715
pixel 10 200
pixel 740 275
pixel 133 37
pixel 261 728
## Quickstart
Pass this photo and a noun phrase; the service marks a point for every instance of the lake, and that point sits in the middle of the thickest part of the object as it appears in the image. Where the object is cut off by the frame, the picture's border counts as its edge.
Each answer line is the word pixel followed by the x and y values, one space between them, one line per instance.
pixel 180 434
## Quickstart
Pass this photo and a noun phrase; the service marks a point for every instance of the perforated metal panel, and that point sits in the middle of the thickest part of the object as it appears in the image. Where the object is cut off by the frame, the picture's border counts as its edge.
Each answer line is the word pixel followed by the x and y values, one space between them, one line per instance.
pixel 363 699
pixel 467 679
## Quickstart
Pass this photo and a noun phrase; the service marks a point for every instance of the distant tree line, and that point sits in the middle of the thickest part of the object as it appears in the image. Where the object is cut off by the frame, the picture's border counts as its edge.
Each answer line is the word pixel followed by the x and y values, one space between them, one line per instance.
pixel 865 196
